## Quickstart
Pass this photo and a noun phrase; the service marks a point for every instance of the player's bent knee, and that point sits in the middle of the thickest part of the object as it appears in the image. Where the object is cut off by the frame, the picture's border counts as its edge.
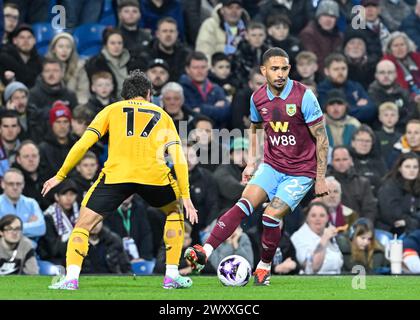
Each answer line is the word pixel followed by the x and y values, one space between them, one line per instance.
pixel 170 233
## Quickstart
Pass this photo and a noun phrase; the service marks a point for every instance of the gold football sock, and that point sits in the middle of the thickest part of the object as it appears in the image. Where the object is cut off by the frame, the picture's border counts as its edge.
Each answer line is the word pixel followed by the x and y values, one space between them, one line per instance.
pixel 174 237
pixel 77 247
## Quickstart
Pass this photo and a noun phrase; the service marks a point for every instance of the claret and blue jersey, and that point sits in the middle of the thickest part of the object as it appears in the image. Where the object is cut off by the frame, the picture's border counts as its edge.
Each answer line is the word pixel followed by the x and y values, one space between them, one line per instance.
pixel 290 162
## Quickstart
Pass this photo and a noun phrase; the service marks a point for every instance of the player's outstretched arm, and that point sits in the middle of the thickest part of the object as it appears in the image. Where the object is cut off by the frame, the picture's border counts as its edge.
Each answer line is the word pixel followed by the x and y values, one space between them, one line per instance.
pixel 252 153
pixel 75 154
pixel 319 133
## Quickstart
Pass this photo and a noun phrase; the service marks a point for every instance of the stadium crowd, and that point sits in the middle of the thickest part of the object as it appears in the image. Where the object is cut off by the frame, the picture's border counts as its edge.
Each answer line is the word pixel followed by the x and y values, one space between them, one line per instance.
pixel 202 58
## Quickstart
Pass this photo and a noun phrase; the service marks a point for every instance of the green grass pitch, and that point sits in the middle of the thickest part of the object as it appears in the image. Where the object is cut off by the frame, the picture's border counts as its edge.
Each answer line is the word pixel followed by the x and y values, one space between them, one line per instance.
pixel 209 288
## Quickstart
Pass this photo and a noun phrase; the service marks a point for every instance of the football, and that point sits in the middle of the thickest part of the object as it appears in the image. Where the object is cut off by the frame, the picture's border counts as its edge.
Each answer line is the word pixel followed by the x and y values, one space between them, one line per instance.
pixel 234 271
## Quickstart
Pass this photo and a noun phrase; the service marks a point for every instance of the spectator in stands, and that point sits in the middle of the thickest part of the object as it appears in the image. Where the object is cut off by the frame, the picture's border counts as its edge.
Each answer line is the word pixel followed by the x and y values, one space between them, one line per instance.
pixel 154 10
pixel 402 52
pixel 58 143
pixel 136 39
pixel 130 222
pixel 221 74
pixel 102 91
pixel 367 159
pixel 223 31
pixel 173 103
pixel 387 136
pixel 360 64
pixel 411 247
pixel 411 25
pixel 63 48
pixel 357 191
pixel 385 88
pixel 204 192
pixel 211 151
pixel 16 96
pixel 20 61
pixel 359 103
pixel 339 214
pixel 376 31
pixel 315 239
pixel 60 218
pixel 241 100
pixel 238 243
pixel 409 142
pixel 201 95
pixel 229 176
pixel 114 58
pixel 249 52
pixel 299 12
pixel 27 161
pixel 165 46
pixel 307 67
pixel 399 196
pixel 278 35
pixel 50 88
pixel 27 209
pixel 158 73
pixel 360 248
pixel 17 256
pixel 321 36
pixel 85 175
pixel 82 12
pixel 9 134
pixel 106 252
pixel 184 267
pixel 394 12
pixel 339 125
pixel 11 19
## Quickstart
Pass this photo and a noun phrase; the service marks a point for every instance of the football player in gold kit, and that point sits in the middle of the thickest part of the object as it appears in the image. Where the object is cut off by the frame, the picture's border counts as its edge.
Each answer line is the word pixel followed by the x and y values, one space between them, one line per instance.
pixel 140 133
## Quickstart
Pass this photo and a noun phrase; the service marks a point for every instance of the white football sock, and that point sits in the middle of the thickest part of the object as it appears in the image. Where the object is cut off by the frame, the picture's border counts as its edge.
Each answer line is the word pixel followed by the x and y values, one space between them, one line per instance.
pixel 73 272
pixel 208 249
pixel 263 265
pixel 172 271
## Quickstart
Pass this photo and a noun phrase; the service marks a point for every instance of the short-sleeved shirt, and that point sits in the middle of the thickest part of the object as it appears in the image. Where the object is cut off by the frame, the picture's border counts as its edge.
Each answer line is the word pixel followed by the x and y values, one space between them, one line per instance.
pixel 139 135
pixel 289 146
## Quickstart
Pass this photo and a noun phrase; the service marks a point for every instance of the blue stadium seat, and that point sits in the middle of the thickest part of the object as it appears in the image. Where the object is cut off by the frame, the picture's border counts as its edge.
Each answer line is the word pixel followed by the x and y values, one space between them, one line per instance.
pixel 144 267
pixel 50 6
pixel 383 237
pixel 108 16
pixel 88 39
pixel 44 33
pixel 47 268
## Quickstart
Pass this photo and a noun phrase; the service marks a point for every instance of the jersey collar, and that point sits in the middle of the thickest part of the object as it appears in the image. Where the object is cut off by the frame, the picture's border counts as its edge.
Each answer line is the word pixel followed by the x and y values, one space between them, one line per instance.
pixel 284 94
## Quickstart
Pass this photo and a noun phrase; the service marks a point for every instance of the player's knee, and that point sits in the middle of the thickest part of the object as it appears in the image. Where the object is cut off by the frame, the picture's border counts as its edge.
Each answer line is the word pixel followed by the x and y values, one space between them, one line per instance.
pixel 171 233
pixel 276 213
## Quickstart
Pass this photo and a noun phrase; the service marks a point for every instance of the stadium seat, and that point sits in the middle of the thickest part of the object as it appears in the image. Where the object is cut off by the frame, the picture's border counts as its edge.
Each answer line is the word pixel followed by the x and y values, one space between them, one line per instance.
pixel 383 237
pixel 44 32
pixel 143 267
pixel 51 5
pixel 108 16
pixel 88 39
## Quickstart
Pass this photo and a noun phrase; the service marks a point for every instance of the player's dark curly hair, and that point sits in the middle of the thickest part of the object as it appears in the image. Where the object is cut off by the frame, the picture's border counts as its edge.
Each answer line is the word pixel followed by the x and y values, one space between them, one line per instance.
pixel 136 85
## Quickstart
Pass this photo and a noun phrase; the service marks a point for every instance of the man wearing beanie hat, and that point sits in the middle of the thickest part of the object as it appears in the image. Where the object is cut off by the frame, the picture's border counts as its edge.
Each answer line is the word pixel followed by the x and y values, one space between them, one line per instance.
pixel 229 176
pixel 321 36
pixel 57 144
pixel 16 98
pixel 20 58
pixel 361 66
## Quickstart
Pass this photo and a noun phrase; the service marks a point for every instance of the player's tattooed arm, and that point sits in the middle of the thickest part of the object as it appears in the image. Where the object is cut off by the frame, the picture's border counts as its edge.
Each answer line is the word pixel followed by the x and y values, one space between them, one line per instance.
pixel 320 134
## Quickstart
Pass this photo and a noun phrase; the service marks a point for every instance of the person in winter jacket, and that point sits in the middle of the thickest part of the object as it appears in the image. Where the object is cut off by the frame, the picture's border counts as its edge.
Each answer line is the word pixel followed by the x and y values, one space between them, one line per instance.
pixel 60 218
pixel 201 95
pixel 357 190
pixel 399 196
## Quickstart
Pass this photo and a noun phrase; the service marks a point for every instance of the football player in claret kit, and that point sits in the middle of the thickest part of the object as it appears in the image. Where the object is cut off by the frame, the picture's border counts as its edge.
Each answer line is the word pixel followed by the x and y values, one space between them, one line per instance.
pixel 140 133
pixel 295 157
